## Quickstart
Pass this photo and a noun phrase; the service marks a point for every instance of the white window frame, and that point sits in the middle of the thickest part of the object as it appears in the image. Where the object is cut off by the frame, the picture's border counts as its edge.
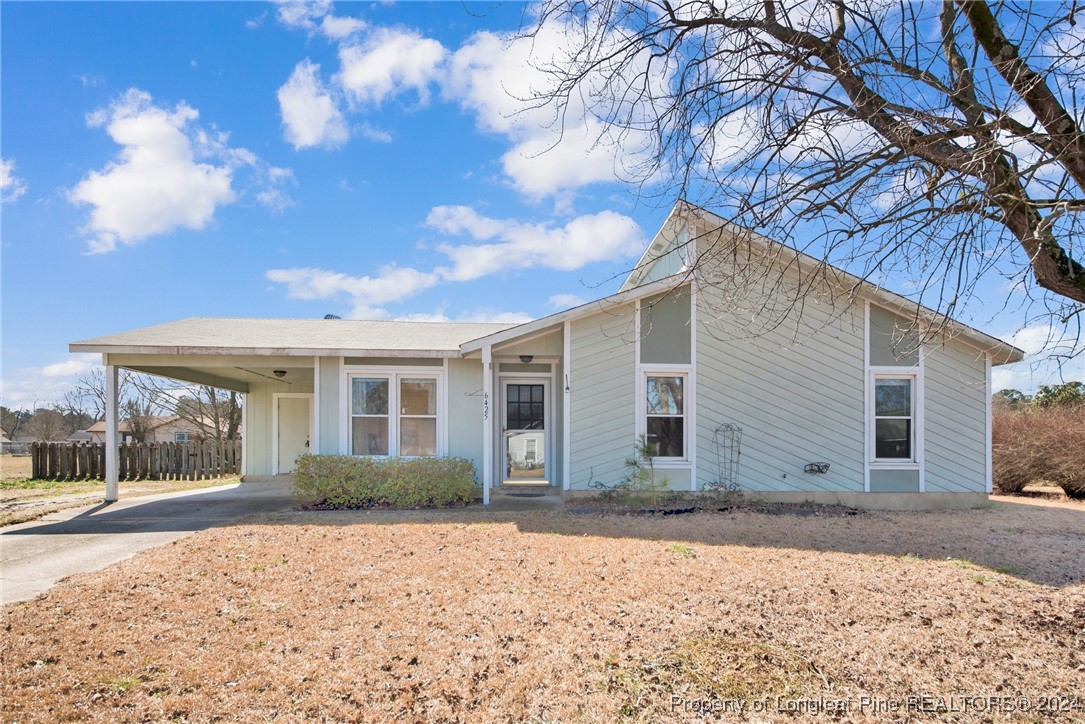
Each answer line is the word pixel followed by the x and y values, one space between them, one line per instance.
pixel 394 375
pixel 187 436
pixel 662 370
pixel 915 377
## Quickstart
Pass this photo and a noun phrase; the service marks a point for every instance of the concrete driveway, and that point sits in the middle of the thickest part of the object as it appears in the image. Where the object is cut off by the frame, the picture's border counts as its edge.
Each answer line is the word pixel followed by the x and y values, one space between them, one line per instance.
pixel 34 556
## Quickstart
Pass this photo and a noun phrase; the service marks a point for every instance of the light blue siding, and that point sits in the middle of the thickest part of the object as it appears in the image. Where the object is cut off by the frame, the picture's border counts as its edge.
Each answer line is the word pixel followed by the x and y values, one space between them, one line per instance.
pixel 669 262
pixel 331 417
pixel 955 419
pixel 602 409
pixel 894 481
pixel 796 402
pixel 258 417
pixel 465 411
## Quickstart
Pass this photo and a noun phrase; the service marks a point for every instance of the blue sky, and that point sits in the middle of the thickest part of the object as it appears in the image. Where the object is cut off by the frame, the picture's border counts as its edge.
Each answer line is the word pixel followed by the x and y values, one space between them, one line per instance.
pixel 166 160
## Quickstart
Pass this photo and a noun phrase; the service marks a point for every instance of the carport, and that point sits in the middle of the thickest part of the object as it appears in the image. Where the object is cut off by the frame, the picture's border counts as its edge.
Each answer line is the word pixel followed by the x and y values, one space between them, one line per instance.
pixel 267 376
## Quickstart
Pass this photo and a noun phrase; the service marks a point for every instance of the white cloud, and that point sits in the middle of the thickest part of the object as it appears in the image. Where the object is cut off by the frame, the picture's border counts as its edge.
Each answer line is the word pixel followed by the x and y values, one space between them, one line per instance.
pixel 11 187
pixel 507 244
pixel 503 81
pixel 31 387
pixel 318 18
pixel 374 134
pixel 77 364
pixel 606 236
pixel 368 294
pixel 565 301
pixel 1052 356
pixel 169 174
pixel 388 62
pixel 310 115
pixel 339 28
pixel 479 315
pixel 257 22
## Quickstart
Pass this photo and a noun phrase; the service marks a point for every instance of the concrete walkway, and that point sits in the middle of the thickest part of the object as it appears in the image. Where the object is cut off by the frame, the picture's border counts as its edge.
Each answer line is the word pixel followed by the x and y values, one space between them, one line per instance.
pixel 34 556
pixel 526 499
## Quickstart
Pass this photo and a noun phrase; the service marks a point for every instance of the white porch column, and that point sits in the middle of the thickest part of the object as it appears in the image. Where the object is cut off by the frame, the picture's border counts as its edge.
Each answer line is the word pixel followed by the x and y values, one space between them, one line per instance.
pixel 314 442
pixel 487 423
pixel 567 406
pixel 244 435
pixel 112 459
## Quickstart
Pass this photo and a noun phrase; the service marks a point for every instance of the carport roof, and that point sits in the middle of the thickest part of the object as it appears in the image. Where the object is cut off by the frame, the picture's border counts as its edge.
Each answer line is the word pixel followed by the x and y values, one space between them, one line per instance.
pixel 302 337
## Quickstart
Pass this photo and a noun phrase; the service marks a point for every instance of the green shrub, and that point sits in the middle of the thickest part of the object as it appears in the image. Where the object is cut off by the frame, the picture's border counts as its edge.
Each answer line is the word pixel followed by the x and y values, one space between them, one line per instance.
pixel 328 482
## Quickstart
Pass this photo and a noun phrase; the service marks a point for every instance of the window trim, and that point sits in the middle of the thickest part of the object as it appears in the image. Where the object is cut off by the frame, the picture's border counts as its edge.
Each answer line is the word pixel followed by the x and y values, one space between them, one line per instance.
pixel 913 417
pixel 644 371
pixel 394 375
pixel 918 372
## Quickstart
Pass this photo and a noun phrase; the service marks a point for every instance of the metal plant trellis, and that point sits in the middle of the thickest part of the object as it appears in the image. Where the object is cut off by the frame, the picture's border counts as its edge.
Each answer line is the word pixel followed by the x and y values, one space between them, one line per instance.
pixel 728 440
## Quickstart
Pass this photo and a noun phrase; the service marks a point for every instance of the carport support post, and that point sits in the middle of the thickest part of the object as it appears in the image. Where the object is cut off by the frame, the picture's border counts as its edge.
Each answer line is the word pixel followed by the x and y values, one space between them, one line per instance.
pixel 112 458
pixel 487 423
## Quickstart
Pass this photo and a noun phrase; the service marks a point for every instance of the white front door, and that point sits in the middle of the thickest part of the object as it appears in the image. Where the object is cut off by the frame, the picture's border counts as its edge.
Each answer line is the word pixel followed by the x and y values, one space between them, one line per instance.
pixel 292 431
pixel 524 454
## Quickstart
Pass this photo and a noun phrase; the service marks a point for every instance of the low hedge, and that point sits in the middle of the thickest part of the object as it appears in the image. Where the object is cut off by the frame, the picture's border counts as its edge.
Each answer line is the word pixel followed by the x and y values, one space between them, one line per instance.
pixel 332 482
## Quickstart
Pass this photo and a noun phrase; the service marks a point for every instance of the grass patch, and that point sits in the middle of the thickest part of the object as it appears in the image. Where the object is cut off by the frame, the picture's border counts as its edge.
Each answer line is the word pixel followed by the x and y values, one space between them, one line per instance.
pixel 715 666
pixel 681 549
pixel 122 684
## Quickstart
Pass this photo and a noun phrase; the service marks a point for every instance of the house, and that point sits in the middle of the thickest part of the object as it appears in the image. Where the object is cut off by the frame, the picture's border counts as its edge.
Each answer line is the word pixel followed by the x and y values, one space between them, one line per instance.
pixel 710 362
pixel 161 428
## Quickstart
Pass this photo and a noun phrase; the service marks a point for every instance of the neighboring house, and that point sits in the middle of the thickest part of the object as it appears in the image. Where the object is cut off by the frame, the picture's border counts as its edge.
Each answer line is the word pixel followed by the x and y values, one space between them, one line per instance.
pixel 673 355
pixel 162 429
pixel 81 436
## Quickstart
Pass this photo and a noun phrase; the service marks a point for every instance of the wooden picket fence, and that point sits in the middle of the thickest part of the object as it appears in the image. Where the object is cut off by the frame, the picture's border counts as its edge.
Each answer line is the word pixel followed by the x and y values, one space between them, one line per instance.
pixel 138 460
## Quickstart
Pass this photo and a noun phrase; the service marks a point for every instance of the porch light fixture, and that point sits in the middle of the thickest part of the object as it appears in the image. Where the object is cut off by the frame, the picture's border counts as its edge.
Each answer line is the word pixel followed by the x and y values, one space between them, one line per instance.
pixel 526 358
pixel 279 373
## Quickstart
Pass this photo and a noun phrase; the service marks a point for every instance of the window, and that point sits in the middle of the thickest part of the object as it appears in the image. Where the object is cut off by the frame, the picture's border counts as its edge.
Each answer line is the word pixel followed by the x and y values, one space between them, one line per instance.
pixel 369 416
pixel 665 415
pixel 393 414
pixel 894 418
pixel 182 437
pixel 418 417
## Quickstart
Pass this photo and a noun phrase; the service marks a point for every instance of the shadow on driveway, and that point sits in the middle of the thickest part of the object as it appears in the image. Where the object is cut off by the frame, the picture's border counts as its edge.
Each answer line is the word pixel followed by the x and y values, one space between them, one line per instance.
pixel 35 556
pixel 184 512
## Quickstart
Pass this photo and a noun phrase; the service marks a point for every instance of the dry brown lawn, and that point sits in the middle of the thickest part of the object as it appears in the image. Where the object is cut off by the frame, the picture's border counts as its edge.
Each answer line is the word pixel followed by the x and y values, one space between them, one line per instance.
pixel 557 617
pixel 14 467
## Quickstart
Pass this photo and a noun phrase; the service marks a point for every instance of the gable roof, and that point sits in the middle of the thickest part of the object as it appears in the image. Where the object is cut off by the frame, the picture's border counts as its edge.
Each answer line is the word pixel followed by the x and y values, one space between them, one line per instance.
pixel 666 242
pixel 292 337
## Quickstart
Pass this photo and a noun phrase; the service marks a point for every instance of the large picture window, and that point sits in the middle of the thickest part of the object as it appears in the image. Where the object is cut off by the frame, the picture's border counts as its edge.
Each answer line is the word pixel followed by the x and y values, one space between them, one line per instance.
pixel 894 418
pixel 665 416
pixel 393 414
